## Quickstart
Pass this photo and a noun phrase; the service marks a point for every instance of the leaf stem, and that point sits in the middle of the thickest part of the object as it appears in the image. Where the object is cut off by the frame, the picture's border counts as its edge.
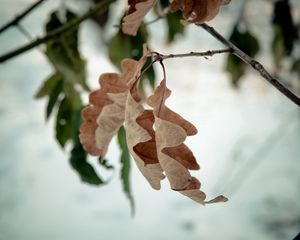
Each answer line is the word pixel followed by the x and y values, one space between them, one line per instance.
pixel 100 7
pixel 253 63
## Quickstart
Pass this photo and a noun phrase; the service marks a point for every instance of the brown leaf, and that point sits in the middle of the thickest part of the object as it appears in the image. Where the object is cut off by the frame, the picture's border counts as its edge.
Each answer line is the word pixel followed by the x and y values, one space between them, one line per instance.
pixel 137 10
pixel 105 115
pixel 195 11
pixel 174 156
pixel 139 131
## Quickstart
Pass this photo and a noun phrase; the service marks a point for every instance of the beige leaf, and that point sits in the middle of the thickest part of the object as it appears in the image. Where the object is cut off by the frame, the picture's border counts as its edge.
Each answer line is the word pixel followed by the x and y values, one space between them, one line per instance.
pixel 105 115
pixel 174 156
pixel 140 135
pixel 196 11
pixel 138 9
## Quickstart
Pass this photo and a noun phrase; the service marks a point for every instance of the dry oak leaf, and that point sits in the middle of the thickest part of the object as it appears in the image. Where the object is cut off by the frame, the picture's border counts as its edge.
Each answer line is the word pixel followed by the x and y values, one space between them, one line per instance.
pixel 105 115
pixel 137 10
pixel 174 156
pixel 198 11
pixel 140 135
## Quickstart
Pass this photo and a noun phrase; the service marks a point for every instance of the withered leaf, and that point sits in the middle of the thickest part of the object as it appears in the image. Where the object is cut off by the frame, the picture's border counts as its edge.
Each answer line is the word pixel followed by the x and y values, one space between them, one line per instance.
pixel 195 11
pixel 137 10
pixel 105 115
pixel 174 156
pixel 139 130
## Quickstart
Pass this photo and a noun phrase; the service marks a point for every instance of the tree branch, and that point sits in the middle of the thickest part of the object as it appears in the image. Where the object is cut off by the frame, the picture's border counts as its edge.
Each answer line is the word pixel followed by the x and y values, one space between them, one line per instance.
pixel 194 54
pixel 19 17
pixel 253 63
pixel 99 8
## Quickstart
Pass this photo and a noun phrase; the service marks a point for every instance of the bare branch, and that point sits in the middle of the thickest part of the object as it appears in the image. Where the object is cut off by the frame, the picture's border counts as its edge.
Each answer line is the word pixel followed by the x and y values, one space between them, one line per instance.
pixel 194 54
pixel 253 63
pixel 19 17
pixel 100 7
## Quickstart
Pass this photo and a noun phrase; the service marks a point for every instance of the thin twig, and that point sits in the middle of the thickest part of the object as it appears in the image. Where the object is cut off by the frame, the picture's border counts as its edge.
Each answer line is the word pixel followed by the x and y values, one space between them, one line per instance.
pixel 19 17
pixel 27 35
pixel 99 8
pixel 253 63
pixel 194 54
pixel 24 32
pixel 154 20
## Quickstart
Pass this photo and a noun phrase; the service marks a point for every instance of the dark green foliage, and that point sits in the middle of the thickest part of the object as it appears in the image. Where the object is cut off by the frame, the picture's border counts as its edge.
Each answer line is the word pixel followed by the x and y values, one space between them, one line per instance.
pixel 53 97
pixel 60 88
pixel 278 48
pixel 296 67
pixel 63 52
pixel 78 161
pixel 72 95
pixel 48 86
pixel 125 166
pixel 63 122
pixel 247 43
pixel 282 19
pixel 174 26
pixel 285 32
pixel 124 46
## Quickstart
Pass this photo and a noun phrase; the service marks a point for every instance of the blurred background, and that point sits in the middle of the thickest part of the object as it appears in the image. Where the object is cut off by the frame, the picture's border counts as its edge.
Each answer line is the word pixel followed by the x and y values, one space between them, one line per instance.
pixel 248 145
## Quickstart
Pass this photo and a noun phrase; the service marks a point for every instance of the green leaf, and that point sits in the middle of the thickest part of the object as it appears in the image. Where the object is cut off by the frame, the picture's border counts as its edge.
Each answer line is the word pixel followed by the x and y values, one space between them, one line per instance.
pixel 72 95
pixel 296 67
pixel 64 122
pixel 63 52
pixel 125 169
pixel 119 47
pixel 174 26
pixel 248 43
pixel 48 86
pixel 284 25
pixel 79 163
pixel 236 68
pixel 53 98
pixel 124 46
pixel 278 48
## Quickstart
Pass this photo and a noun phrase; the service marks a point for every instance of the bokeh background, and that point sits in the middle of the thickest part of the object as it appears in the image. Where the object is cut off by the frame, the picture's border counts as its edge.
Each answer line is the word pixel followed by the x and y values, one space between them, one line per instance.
pixel 248 145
